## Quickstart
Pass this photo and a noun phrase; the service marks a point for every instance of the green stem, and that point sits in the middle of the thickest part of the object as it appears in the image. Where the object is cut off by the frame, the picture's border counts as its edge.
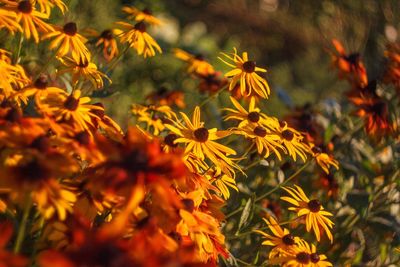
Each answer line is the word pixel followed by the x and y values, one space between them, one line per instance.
pixel 205 101
pixel 272 190
pixel 19 48
pixel 22 227
pixel 114 63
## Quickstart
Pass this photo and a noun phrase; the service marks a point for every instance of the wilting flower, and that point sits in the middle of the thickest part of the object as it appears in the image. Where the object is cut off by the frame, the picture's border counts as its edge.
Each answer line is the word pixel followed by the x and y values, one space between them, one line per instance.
pixel 281 240
pixel 311 210
pixel 29 18
pixel 223 181
pixel 83 69
pixel 196 63
pixel 302 255
pixel 245 72
pixel 323 159
pixel 107 40
pixel 68 40
pixel 163 97
pixel 141 15
pixel 137 37
pixel 155 117
pixel 293 142
pixel 200 140
pixel 350 66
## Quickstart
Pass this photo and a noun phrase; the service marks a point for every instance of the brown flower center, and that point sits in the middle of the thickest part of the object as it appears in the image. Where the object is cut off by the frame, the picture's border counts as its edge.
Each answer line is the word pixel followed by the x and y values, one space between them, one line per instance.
pixel 70 28
pixel 314 257
pixel 33 171
pixel 83 138
pixel 176 236
pixel 249 66
pixel 201 134
pixel 14 115
pixel 199 57
pixel 71 103
pixel 288 135
pixel 140 26
pixel 107 34
pixel 25 7
pixel 253 116
pixel 260 131
pixel 188 204
pixel 303 257
pixel 41 82
pixel 41 143
pixel 169 140
pixel 314 205
pixel 316 149
pixel 288 240
pixel 147 11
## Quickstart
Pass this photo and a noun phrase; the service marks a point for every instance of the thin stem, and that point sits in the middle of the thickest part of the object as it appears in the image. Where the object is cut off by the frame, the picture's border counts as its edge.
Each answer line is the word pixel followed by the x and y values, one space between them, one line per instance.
pixel 18 52
pixel 22 227
pixel 116 61
pixel 205 101
pixel 272 190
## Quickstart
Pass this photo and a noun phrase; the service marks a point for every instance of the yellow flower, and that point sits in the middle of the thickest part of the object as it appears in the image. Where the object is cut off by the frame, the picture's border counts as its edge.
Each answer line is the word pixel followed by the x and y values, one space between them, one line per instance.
pixel 155 117
pixel 222 181
pixel 312 210
pixel 323 159
pixel 281 240
pixel 264 139
pixel 70 108
pixel 12 77
pixel 245 72
pixel 196 63
pixel 137 37
pixel 141 15
pixel 293 142
pixel 68 40
pixel 109 43
pixel 302 255
pixel 252 116
pixel 200 140
pixel 29 18
pixel 83 69
pixel 8 20
pixel 47 5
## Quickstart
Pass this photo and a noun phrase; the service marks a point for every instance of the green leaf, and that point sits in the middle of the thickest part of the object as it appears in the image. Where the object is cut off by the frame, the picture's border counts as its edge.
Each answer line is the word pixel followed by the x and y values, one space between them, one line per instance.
pixel 244 218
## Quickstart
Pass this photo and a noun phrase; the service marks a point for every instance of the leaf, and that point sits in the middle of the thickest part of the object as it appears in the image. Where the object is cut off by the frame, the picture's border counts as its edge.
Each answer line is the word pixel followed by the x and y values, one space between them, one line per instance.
pixel 244 218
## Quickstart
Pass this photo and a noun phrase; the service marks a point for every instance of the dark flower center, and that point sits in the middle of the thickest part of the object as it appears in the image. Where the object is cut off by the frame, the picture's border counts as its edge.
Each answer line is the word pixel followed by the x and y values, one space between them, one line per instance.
pixel 70 28
pixel 260 131
pixel 83 138
pixel 249 66
pixel 314 205
pixel 33 171
pixel 14 115
pixel 147 11
pixel 107 34
pixel 314 257
pixel 353 58
pixel 199 57
pixel 188 204
pixel 140 26
pixel 41 143
pixel 176 236
pixel 83 63
pixel 169 140
pixel 379 109
pixel 41 82
pixel 288 240
pixel 282 124
pixel 288 135
pixel 71 103
pixel 253 116
pixel 201 134
pixel 25 7
pixel 303 257
pixel 316 149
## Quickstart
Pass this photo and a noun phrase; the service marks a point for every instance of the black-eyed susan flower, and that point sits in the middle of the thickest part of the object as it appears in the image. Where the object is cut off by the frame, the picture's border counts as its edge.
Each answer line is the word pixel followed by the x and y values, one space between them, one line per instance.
pixel 155 117
pixel 29 18
pixel 281 240
pixel 69 41
pixel 71 108
pixel 12 77
pixel 293 142
pixel 252 115
pixel 265 140
pixel 108 42
pixel 313 212
pixel 196 63
pixel 324 160
pixel 47 5
pixel 223 181
pixel 83 70
pixel 245 73
pixel 141 15
pixel 137 37
pixel 302 255
pixel 200 140
pixel 8 20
